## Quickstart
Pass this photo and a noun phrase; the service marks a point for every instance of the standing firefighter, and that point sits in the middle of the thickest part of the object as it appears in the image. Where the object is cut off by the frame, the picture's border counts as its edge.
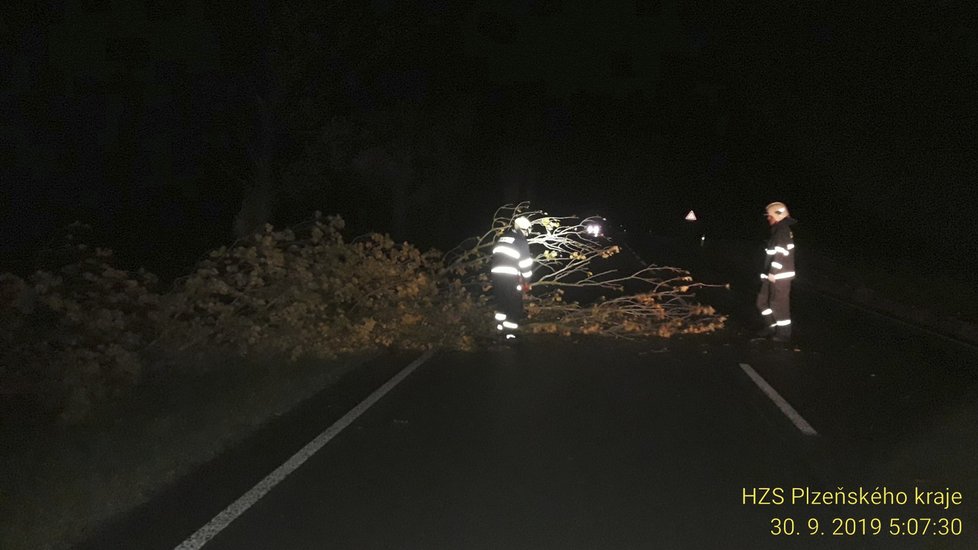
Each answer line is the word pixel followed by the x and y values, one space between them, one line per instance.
pixel 779 268
pixel 511 271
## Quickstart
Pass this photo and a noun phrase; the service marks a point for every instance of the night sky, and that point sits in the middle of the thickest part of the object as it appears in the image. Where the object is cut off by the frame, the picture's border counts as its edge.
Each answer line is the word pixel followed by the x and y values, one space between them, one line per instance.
pixel 152 121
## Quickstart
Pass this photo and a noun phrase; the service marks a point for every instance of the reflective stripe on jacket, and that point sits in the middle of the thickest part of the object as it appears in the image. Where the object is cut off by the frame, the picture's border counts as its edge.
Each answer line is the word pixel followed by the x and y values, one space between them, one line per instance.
pixel 780 252
pixel 511 255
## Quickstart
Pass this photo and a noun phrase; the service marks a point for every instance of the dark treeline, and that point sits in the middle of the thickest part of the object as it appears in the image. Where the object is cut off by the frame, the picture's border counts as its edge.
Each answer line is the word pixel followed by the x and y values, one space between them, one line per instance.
pixel 171 127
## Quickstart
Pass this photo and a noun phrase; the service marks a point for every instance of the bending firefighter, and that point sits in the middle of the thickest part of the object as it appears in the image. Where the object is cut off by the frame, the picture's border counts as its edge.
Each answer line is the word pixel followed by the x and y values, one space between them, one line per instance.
pixel 779 269
pixel 511 271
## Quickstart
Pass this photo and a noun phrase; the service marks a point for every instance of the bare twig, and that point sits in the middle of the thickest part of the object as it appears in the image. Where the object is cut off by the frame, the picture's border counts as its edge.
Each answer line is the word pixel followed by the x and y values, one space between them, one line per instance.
pixel 564 253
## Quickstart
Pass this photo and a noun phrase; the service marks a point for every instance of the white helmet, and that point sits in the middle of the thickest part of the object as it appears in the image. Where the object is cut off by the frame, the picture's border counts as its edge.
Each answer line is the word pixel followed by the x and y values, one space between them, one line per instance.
pixel 522 223
pixel 776 210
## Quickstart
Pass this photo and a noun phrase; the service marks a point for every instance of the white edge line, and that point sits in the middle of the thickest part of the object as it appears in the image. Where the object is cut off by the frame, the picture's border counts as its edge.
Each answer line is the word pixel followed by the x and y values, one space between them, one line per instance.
pixel 785 407
pixel 245 501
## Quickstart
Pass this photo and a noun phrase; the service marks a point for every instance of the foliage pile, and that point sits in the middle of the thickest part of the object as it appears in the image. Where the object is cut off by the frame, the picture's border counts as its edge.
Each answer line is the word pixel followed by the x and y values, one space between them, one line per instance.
pixel 72 332
pixel 643 314
pixel 306 292
pixel 81 330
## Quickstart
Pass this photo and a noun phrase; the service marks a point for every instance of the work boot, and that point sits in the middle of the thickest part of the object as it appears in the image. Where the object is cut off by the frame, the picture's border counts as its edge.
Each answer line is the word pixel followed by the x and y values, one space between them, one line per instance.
pixel 782 334
pixel 765 332
pixel 503 342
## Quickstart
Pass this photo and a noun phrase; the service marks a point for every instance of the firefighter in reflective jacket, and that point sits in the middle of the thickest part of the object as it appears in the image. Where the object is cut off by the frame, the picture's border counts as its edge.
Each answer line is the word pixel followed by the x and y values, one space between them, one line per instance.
pixel 511 271
pixel 779 269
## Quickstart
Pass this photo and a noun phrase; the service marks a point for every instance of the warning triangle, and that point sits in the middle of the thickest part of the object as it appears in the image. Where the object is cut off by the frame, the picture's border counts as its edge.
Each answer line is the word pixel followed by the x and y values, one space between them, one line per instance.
pixel 691 217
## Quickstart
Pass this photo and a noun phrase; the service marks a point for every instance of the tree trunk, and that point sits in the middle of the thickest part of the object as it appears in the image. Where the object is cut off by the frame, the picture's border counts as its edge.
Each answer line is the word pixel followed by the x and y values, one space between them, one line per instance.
pixel 256 205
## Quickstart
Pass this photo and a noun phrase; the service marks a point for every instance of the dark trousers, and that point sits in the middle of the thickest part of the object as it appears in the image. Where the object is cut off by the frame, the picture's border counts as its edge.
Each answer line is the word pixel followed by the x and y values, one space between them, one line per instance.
pixel 508 301
pixel 774 303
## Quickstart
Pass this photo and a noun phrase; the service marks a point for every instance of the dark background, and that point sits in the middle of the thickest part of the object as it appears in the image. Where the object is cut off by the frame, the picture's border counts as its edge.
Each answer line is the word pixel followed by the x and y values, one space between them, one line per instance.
pixel 173 126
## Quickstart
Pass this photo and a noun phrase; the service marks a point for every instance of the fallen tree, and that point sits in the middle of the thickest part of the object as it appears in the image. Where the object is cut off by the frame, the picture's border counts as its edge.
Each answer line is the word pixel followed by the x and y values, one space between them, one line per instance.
pixel 80 330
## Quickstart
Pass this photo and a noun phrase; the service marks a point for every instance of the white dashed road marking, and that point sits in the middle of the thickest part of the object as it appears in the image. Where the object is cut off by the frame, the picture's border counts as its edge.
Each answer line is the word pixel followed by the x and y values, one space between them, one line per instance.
pixel 785 407
pixel 245 501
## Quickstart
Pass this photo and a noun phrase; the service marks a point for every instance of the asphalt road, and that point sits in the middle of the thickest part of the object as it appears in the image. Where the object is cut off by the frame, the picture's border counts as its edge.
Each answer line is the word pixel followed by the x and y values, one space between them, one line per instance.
pixel 597 443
